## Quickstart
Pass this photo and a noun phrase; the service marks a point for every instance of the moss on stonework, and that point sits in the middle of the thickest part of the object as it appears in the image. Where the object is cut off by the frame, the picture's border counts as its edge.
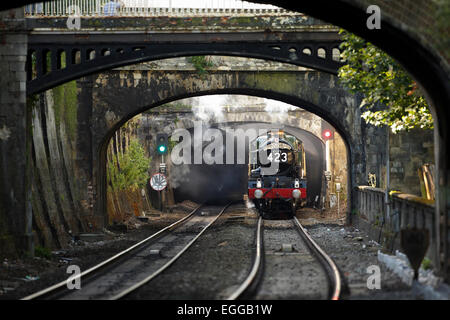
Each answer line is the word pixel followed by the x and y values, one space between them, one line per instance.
pixel 247 20
pixel 58 103
pixel 197 21
pixel 272 80
pixel 65 107
pixel 70 114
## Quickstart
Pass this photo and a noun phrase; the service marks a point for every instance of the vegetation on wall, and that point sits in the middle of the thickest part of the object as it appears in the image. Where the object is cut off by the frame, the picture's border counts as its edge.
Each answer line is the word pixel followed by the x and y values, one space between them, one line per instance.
pixel 129 170
pixel 127 173
pixel 127 162
pixel 66 106
pixel 42 252
pixel 383 82
pixel 200 63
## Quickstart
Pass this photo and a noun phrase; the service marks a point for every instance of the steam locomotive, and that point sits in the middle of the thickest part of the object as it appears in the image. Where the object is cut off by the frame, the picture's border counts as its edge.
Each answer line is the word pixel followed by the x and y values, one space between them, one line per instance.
pixel 277 174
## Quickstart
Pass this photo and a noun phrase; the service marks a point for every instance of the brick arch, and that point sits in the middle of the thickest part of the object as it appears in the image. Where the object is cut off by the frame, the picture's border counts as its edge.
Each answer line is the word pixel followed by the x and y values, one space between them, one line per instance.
pixel 118 97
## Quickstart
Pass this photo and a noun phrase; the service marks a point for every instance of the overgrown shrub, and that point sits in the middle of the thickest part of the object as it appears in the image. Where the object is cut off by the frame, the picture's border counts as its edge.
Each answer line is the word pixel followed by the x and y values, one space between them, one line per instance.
pixel 130 170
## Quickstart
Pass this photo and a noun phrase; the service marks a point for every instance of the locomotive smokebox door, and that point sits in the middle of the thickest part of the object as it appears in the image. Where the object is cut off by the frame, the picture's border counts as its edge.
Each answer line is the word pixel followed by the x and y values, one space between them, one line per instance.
pixel 415 243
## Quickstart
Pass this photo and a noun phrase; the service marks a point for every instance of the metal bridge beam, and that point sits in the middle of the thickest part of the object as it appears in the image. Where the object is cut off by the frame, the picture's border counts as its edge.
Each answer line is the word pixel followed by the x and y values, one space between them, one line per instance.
pixel 87 53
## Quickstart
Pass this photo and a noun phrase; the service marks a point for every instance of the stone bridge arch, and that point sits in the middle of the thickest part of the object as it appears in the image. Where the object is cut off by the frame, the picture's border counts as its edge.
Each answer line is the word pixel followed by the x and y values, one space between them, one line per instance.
pixel 287 119
pixel 120 95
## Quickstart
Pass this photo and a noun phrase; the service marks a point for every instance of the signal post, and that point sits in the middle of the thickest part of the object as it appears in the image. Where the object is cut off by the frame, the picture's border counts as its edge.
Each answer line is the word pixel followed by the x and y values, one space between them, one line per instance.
pixel 159 180
pixel 328 135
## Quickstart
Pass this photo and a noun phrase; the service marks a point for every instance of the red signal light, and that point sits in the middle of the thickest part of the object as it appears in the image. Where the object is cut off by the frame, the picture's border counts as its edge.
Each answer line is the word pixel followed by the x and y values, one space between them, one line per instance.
pixel 327 134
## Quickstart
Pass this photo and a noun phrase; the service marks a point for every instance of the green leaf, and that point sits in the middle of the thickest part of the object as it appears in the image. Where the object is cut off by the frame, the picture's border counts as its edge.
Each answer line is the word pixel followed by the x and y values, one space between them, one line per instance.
pixel 385 85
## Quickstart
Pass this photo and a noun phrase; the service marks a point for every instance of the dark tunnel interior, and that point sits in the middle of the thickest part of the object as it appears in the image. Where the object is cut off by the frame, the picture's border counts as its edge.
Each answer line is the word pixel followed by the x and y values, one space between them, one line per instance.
pixel 228 182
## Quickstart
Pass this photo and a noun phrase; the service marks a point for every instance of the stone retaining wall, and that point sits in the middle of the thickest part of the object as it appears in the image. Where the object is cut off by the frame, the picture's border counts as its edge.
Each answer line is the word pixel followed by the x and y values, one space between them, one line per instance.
pixel 406 211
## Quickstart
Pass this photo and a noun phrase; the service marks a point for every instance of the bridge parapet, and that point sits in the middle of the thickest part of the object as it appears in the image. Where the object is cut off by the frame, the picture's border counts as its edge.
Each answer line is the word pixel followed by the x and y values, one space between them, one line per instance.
pixel 268 23
pixel 139 8
pixel 406 211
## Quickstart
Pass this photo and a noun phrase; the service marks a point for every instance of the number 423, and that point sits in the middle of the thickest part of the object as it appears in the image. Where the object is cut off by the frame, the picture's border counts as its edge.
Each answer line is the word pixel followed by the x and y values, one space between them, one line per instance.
pixel 277 157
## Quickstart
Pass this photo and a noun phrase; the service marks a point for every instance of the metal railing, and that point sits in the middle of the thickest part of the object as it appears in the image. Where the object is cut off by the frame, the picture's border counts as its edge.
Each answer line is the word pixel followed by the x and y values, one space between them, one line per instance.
pixel 149 8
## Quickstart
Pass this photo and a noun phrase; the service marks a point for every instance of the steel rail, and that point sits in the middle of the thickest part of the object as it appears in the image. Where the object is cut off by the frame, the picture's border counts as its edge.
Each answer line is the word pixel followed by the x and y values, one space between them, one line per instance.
pixel 332 270
pixel 168 264
pixel 60 285
pixel 256 265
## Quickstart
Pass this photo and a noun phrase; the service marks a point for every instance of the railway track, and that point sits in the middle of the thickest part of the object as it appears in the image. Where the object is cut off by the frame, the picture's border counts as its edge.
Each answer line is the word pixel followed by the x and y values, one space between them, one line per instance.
pixel 125 272
pixel 299 270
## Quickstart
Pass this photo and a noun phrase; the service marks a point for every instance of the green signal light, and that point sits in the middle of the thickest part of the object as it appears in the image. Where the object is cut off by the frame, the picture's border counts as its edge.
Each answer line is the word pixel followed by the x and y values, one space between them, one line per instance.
pixel 162 143
pixel 162 149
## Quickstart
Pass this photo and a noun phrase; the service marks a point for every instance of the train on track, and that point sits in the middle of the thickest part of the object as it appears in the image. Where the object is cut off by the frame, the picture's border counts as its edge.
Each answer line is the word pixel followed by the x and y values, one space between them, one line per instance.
pixel 277 181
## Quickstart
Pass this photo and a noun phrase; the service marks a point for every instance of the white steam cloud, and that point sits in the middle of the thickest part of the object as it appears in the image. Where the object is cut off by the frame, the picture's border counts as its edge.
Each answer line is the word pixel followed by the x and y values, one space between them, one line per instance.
pixel 278 110
pixel 209 108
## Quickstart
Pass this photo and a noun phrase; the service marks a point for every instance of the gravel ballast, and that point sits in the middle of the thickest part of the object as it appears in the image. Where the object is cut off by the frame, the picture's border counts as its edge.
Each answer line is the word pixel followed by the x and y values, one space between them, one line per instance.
pixel 221 259
pixel 214 266
pixel 15 274
pixel 354 254
pixel 289 274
